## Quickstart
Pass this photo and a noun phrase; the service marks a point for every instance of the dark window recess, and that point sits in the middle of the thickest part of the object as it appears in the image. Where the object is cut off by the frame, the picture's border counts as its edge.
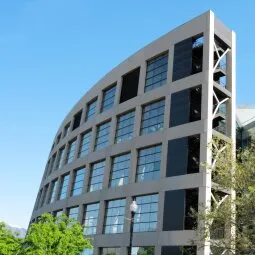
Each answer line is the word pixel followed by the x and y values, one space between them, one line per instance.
pixel 77 120
pixel 178 250
pixel 188 57
pixel 185 106
pixel 191 205
pixel 178 207
pixel 183 156
pixel 130 83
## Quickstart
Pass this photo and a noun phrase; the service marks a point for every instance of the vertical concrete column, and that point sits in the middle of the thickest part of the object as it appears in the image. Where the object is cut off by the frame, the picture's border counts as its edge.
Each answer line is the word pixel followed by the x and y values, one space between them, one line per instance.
pixel 142 78
pixel 112 130
pixel 47 197
pixel 170 67
pixel 133 166
pixel 118 91
pixel 100 220
pixel 77 146
pixel 157 250
pixel 70 184
pixel 161 197
pixel 107 172
pixel 59 184
pixel 80 214
pixel 164 140
pixel 99 102
pixel 205 138
pixel 137 122
pixel 86 179
pixel 93 139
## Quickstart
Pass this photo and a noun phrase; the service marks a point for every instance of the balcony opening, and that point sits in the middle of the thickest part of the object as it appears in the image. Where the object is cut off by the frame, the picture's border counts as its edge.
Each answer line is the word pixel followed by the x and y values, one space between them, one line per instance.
pixel 191 207
pixel 197 54
pixel 77 120
pixel 130 82
pixel 188 57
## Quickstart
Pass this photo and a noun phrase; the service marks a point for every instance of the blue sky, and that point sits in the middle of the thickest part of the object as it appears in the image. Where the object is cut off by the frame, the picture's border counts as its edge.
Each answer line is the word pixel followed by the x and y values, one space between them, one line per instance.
pixel 52 52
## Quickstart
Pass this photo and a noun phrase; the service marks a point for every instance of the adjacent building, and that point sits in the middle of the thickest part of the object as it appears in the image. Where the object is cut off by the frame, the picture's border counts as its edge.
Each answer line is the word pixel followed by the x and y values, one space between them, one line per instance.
pixel 140 134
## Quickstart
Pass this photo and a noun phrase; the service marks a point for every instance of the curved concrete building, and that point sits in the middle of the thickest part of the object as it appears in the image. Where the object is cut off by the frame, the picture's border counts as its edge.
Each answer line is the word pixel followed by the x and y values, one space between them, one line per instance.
pixel 140 134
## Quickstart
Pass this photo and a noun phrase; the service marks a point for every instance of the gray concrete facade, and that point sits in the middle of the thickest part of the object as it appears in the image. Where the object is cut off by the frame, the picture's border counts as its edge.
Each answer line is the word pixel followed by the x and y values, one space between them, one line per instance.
pixel 209 27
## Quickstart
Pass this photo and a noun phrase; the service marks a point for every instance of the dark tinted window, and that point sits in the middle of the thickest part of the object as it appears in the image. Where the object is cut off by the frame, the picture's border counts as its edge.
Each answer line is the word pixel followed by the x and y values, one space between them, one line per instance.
pixel 77 120
pixel 129 87
pixel 185 106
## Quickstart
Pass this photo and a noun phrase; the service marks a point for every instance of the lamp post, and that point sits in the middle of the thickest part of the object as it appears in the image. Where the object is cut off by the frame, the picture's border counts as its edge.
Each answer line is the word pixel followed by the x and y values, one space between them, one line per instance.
pixel 133 209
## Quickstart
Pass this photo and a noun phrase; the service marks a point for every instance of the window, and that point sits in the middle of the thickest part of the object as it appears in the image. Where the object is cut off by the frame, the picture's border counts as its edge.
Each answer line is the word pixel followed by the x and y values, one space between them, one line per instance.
pixel 64 187
pixel 52 163
pixel 47 168
pixel 191 203
pixel 183 156
pixel 58 213
pixel 60 160
pixel 87 251
pixel 73 213
pixel 146 215
pixel 130 83
pixel 67 129
pixel 188 57
pixel 96 176
pixel 54 185
pixel 108 98
pixel 78 182
pixel 77 120
pixel 39 196
pixel 156 73
pixel 90 219
pixel 110 251
pixel 91 109
pixel 120 170
pixel 142 250
pixel 148 166
pixel 70 152
pixel 182 250
pixel 153 117
pixel 115 215
pixel 85 144
pixel 185 106
pixel 102 135
pixel 44 194
pixel 58 138
pixel 125 127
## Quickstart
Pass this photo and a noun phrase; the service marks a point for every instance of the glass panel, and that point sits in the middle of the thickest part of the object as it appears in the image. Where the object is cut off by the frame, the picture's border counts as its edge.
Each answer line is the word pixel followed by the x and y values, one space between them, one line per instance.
pixel 153 117
pixel 125 127
pixel 91 110
pixel 148 166
pixel 64 187
pixel 85 144
pixel 156 74
pixel 70 152
pixel 142 251
pixel 120 170
pixel 53 191
pixel 102 135
pixel 108 99
pixel 73 213
pixel 60 161
pixel 115 215
pixel 90 219
pixel 97 176
pixel 78 182
pixel 146 215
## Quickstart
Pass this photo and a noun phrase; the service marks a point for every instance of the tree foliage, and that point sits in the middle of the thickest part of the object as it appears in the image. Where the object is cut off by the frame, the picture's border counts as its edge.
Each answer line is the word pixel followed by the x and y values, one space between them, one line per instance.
pixel 9 243
pixel 48 236
pixel 230 220
pixel 55 236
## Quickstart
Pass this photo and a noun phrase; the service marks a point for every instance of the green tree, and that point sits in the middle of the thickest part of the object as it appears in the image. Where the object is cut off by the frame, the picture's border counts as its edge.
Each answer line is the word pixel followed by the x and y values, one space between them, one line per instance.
pixel 230 220
pixel 55 236
pixel 9 243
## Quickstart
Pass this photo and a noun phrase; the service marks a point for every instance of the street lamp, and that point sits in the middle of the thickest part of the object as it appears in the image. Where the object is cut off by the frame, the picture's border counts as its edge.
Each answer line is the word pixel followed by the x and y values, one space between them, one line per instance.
pixel 133 209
